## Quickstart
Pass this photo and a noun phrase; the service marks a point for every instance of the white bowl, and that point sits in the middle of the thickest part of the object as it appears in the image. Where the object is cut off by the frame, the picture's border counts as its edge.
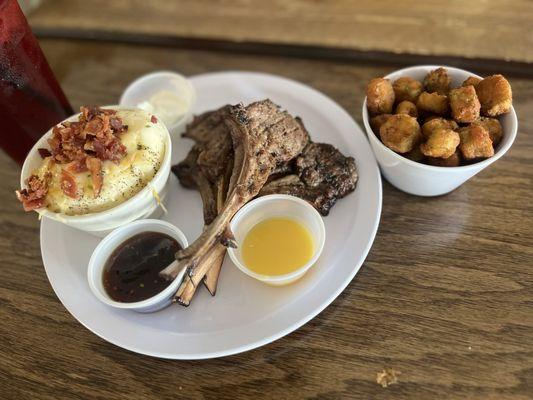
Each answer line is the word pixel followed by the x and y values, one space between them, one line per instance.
pixel 277 205
pixel 141 205
pixel 144 87
pixel 115 239
pixel 427 180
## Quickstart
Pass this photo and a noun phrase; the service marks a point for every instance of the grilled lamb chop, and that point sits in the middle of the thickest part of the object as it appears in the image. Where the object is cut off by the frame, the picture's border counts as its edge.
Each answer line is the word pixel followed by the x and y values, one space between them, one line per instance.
pixel 189 174
pixel 213 138
pixel 209 266
pixel 263 137
pixel 207 168
pixel 323 175
pixel 320 175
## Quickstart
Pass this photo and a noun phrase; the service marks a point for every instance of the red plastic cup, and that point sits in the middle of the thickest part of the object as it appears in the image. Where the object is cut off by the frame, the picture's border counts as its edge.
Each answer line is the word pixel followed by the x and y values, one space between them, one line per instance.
pixel 31 100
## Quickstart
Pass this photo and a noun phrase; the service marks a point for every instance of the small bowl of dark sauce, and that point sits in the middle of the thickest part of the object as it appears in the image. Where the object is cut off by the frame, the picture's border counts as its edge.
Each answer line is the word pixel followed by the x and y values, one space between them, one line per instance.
pixel 124 268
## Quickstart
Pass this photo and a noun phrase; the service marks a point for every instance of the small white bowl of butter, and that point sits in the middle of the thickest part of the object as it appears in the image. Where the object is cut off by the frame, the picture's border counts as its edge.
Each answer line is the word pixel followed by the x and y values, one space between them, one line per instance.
pixel 168 95
pixel 279 238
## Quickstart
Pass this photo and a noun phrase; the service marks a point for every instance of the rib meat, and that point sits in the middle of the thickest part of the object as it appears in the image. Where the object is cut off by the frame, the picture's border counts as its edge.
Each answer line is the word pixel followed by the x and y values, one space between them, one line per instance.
pixel 213 140
pixel 322 175
pixel 207 168
pixel 209 267
pixel 191 177
pixel 221 190
pixel 263 137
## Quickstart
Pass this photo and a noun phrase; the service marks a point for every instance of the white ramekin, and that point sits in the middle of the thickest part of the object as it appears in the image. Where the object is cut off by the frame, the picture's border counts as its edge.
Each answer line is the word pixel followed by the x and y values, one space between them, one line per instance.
pixel 110 243
pixel 144 87
pixel 427 180
pixel 142 205
pixel 277 205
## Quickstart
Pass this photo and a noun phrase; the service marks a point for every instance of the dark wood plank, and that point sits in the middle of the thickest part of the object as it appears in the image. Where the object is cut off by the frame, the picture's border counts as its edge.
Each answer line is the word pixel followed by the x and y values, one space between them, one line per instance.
pixel 445 296
pixel 474 29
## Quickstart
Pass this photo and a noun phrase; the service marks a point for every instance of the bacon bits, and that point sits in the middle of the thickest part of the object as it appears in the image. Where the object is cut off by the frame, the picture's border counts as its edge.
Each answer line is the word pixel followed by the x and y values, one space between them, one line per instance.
pixel 96 134
pixel 153 119
pixel 68 184
pixel 94 165
pixel 44 152
pixel 81 146
pixel 75 167
pixel 117 125
pixel 33 197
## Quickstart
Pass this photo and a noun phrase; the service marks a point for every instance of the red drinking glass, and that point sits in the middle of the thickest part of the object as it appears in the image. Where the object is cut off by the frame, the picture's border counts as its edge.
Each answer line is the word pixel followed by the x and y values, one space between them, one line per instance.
pixel 31 100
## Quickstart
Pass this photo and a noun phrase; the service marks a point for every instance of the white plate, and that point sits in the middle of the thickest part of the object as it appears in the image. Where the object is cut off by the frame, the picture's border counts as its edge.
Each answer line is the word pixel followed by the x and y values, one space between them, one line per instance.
pixel 245 313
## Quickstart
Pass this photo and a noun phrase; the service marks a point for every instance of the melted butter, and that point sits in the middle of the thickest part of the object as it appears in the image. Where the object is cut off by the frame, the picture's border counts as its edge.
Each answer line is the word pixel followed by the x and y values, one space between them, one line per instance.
pixel 277 246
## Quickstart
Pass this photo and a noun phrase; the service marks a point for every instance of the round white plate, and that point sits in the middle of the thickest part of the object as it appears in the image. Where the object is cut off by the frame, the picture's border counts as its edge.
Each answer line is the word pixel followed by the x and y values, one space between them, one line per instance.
pixel 245 313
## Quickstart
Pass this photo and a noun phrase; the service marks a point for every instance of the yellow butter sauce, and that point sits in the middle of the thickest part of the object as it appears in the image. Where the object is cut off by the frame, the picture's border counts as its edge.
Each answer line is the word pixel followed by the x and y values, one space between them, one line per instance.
pixel 277 246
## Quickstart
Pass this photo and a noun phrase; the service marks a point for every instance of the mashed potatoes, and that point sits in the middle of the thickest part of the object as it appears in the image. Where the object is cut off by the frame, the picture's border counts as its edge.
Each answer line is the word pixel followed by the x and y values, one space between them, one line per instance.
pixel 145 145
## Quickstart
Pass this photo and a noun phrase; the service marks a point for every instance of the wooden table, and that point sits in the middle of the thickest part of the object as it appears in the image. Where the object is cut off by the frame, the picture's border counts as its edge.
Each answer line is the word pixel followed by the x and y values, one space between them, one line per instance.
pixel 445 296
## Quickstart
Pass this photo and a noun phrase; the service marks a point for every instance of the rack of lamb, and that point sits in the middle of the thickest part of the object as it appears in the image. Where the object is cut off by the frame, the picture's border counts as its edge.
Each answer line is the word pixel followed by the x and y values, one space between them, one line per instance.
pixel 241 152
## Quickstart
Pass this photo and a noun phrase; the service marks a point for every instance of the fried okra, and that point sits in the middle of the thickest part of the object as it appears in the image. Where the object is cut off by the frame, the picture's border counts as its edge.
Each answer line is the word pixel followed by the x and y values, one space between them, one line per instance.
pixel 453 161
pixel 441 143
pixel 437 123
pixel 416 155
pixel 432 122
pixel 438 81
pixel 432 103
pixel 475 142
pixel 430 117
pixel 379 96
pixel 407 89
pixel 464 104
pixel 495 95
pixel 406 107
pixel 493 126
pixel 473 80
pixel 400 133
pixel 377 121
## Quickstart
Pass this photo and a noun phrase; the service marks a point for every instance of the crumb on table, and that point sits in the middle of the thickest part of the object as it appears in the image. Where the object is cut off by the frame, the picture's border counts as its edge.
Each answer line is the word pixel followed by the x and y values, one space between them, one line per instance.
pixel 387 377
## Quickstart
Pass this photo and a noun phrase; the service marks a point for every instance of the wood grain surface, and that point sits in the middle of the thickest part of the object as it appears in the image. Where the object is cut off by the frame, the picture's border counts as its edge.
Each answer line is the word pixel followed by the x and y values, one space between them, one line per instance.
pixel 472 29
pixel 445 296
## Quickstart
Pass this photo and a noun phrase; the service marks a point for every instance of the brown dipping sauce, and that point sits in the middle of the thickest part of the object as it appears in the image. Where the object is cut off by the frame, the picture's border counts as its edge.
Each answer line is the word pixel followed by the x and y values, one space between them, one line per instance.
pixel 131 273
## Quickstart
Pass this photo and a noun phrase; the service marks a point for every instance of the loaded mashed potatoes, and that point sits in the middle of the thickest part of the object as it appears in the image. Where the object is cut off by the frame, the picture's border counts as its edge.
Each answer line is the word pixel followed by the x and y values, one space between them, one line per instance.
pixel 96 163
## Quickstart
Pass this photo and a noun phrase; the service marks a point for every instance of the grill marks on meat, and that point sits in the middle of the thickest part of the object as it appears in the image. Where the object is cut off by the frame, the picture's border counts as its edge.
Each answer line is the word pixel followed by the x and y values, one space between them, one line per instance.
pixel 322 164
pixel 293 185
pixel 263 137
pixel 322 175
